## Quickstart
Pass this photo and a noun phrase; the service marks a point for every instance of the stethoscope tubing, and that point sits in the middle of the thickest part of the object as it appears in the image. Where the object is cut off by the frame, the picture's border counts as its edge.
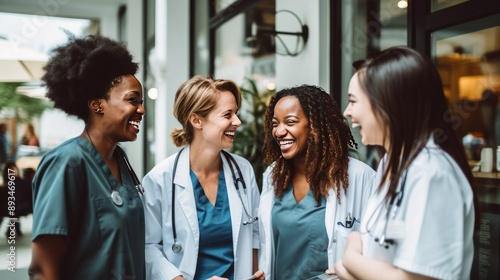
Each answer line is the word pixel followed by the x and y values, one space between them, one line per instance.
pixel 177 247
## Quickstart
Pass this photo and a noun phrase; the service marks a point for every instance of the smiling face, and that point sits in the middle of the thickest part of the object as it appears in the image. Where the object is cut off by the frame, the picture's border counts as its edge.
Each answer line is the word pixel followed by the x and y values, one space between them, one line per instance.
pixel 221 123
pixel 361 114
pixel 290 127
pixel 123 110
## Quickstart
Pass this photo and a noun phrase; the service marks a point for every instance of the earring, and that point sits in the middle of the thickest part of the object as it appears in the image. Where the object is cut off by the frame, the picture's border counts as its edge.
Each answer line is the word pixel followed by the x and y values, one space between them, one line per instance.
pixel 98 110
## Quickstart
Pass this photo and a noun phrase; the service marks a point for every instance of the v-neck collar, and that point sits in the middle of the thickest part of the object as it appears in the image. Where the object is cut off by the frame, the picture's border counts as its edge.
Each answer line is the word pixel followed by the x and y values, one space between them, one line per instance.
pixel 100 161
pixel 200 194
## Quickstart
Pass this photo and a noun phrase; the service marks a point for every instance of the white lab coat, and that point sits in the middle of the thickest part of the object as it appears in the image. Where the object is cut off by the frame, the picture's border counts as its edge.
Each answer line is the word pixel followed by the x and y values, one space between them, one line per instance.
pixel 161 261
pixel 433 227
pixel 360 188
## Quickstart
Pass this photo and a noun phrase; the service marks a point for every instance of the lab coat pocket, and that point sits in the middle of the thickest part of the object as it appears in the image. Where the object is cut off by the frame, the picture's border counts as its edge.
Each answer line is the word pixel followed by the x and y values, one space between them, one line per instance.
pixel 341 237
pixel 343 232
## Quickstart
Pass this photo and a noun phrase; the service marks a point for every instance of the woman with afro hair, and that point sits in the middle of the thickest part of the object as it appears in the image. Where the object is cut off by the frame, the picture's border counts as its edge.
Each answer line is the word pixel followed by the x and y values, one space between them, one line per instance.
pixel 88 218
pixel 313 193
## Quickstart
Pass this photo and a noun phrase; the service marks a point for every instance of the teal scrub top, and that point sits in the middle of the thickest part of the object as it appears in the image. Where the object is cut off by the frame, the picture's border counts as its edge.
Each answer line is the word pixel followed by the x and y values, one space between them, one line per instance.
pixel 215 254
pixel 72 197
pixel 300 238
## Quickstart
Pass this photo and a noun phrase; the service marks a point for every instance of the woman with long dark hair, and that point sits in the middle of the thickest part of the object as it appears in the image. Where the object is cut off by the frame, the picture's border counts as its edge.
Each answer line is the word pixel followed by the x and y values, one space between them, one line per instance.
pixel 420 222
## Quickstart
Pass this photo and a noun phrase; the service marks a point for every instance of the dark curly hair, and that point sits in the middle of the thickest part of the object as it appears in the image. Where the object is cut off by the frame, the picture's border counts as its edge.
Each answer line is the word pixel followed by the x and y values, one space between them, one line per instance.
pixel 85 69
pixel 327 143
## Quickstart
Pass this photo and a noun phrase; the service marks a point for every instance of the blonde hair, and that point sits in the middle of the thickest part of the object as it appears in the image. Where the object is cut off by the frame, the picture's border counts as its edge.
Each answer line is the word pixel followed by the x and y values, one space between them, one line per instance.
pixel 198 95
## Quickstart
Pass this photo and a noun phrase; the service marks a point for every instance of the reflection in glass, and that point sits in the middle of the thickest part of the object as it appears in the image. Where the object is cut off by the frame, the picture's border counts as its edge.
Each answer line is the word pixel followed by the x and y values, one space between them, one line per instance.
pixel 469 65
pixel 248 58
pixel 437 5
pixel 222 4
pixel 369 27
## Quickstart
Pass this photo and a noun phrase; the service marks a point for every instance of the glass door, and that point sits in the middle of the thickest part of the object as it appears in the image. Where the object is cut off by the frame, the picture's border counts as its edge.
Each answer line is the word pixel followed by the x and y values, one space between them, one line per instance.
pixel 467 56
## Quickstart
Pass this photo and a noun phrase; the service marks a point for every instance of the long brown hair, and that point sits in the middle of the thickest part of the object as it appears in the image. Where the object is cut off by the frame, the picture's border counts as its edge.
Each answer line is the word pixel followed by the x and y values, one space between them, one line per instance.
pixel 327 143
pixel 405 91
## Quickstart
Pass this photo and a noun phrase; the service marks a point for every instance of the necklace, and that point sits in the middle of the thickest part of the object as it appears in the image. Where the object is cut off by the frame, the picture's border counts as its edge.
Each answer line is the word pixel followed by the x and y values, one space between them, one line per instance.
pixel 115 195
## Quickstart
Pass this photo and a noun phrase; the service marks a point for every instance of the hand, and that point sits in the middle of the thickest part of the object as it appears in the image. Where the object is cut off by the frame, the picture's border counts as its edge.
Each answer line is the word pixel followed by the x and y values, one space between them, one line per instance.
pixel 180 277
pixel 259 275
pixel 217 278
pixel 330 271
pixel 342 272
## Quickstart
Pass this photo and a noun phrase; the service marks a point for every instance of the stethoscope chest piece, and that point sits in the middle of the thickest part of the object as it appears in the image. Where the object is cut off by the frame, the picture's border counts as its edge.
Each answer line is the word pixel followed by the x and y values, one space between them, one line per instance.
pixel 117 198
pixel 176 247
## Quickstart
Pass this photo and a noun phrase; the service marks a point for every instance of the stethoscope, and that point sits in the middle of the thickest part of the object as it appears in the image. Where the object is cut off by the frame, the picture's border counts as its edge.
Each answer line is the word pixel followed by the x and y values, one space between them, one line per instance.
pixel 177 246
pixel 115 195
pixel 394 205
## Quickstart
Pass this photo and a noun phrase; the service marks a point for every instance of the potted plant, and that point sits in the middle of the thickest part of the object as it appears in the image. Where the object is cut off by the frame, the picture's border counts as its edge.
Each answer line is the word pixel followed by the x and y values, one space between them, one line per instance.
pixel 250 135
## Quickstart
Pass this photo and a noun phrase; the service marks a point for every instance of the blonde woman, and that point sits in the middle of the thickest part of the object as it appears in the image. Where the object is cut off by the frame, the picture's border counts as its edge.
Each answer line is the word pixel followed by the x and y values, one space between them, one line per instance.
pixel 200 203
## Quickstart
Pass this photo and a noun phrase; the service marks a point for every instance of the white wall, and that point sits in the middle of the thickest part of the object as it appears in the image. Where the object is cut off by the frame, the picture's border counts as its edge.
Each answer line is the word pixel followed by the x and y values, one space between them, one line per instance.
pixel 172 51
pixel 312 65
pixel 134 38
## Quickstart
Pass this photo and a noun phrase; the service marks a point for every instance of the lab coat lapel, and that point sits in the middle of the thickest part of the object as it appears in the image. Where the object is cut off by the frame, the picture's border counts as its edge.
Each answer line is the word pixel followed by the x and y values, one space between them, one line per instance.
pixel 185 193
pixel 331 212
pixel 266 206
pixel 330 219
pixel 235 206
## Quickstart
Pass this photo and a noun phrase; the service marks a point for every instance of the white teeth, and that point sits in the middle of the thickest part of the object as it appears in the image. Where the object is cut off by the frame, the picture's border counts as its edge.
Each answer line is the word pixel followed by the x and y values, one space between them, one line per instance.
pixel 287 142
pixel 354 125
pixel 229 133
pixel 135 124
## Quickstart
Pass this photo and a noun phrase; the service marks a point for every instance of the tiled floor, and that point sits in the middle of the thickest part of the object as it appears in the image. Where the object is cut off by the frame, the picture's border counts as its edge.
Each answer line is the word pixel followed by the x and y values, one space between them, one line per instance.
pixel 22 250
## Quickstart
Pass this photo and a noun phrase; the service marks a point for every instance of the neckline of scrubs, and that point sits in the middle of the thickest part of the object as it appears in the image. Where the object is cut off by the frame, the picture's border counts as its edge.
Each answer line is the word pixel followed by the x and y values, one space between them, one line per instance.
pixel 113 182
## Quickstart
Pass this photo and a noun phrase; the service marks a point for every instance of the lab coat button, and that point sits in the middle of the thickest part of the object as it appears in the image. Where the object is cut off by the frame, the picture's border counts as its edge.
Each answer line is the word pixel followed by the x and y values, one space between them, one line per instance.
pixel 334 240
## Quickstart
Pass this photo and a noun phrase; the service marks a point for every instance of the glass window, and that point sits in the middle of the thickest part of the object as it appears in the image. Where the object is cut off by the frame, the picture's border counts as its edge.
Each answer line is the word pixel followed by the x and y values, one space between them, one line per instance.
pixel 437 5
pixel 468 60
pixel 367 28
pixel 245 53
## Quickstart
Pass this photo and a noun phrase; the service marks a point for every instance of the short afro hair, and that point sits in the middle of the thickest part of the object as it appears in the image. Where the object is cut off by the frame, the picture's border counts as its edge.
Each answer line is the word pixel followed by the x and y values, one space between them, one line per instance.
pixel 84 69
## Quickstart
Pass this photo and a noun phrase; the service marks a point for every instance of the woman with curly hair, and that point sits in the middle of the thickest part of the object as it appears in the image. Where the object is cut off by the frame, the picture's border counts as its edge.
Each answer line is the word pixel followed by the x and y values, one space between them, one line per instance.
pixel 88 217
pixel 313 192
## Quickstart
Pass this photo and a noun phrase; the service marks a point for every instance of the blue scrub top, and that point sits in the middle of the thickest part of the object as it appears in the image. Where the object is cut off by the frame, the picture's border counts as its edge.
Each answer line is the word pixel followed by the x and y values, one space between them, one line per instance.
pixel 215 255
pixel 72 197
pixel 300 238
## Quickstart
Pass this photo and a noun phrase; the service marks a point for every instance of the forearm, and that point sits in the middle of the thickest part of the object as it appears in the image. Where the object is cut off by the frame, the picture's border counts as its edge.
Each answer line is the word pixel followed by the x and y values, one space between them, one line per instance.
pixel 362 267
pixel 36 273
pixel 47 254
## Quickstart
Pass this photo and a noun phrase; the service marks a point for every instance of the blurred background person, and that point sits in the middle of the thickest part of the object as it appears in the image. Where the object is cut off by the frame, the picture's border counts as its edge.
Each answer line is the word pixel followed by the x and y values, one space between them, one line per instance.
pixel 29 137
pixel 4 145
pixel 19 191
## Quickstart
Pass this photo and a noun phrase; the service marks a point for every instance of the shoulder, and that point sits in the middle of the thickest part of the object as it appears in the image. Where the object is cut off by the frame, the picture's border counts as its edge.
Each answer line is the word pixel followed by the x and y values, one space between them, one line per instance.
pixel 267 179
pixel 164 166
pixel 241 161
pixel 433 161
pixel 357 167
pixel 73 150
pixel 436 171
